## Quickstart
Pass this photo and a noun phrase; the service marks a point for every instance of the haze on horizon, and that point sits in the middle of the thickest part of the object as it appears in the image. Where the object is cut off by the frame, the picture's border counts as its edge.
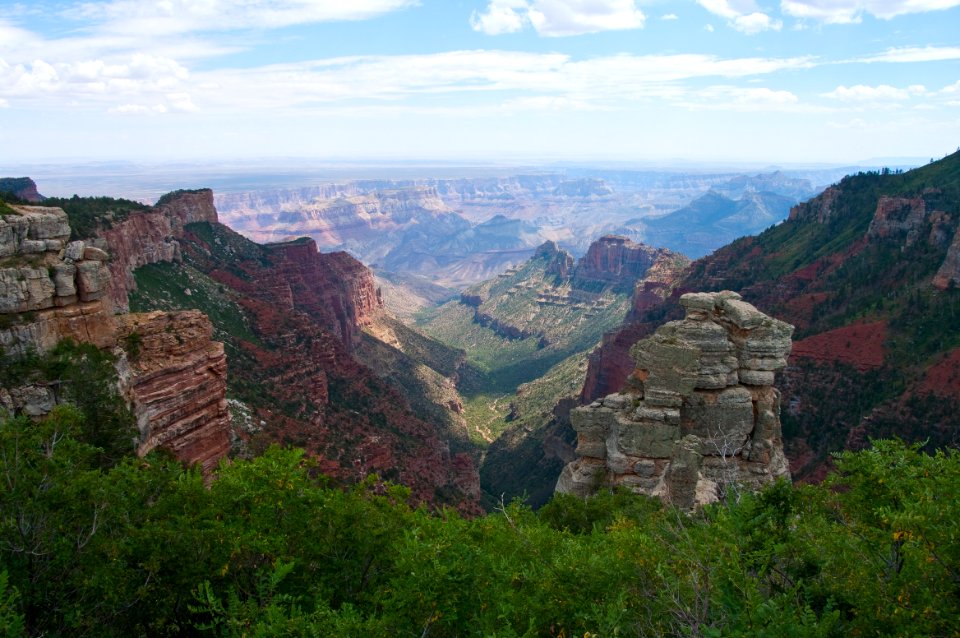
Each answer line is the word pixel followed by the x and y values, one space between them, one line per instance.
pixel 826 81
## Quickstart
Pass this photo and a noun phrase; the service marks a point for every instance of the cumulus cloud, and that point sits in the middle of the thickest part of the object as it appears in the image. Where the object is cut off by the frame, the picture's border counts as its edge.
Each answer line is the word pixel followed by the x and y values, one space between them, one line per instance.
pixel 882 92
pixel 167 17
pixel 670 16
pixel 743 15
pixel 4 103
pixel 557 18
pixel 851 11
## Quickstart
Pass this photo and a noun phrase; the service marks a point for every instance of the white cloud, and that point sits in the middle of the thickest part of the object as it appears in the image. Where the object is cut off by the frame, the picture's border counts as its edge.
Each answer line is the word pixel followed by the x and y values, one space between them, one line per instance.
pixel 501 16
pixel 744 99
pixel 4 104
pixel 883 92
pixel 915 54
pixel 742 15
pixel 708 28
pixel 138 109
pixel 137 74
pixel 557 18
pixel 670 16
pixel 851 11
pixel 167 17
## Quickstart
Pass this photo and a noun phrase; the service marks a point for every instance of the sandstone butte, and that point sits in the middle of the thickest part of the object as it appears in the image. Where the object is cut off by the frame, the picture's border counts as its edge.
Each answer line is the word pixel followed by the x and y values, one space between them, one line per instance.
pixel 699 417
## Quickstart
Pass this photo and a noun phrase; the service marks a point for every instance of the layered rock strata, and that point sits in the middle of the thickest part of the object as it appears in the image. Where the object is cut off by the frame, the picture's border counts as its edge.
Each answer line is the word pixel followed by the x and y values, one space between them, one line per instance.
pixel 50 288
pixel 152 236
pixel 175 379
pixel 699 417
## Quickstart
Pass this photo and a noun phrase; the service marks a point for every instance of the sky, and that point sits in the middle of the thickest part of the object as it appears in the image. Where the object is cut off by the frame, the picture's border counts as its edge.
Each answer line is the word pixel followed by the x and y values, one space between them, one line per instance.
pixel 788 81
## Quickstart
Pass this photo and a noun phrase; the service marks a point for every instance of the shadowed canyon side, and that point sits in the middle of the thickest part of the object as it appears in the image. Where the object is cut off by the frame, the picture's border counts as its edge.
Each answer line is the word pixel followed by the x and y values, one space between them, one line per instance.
pixel 867 272
pixel 699 418
pixel 287 318
pixel 292 319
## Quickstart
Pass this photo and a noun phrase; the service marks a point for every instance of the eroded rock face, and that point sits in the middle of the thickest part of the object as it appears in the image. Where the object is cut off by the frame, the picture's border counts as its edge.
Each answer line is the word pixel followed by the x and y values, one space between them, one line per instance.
pixel 175 380
pixel 613 258
pixel 948 275
pixel 699 417
pixel 50 289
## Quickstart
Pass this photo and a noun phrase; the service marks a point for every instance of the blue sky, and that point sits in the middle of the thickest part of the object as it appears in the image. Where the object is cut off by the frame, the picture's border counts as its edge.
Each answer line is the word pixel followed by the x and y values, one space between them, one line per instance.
pixel 828 81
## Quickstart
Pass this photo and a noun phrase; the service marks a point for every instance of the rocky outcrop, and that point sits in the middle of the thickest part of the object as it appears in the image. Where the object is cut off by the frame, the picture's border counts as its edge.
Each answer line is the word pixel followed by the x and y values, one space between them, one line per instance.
pixel 559 262
pixel 821 208
pixel 143 238
pixel 50 288
pixel 897 216
pixel 699 418
pixel 616 259
pixel 948 275
pixel 175 380
pixel 187 207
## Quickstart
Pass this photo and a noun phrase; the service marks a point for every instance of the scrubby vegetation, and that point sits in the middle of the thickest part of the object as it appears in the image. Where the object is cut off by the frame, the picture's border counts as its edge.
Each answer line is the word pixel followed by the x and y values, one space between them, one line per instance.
pixel 270 548
pixel 89 214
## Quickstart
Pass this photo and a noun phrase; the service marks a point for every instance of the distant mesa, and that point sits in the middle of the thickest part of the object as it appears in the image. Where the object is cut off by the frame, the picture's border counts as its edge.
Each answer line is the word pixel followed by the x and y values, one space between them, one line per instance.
pixel 22 188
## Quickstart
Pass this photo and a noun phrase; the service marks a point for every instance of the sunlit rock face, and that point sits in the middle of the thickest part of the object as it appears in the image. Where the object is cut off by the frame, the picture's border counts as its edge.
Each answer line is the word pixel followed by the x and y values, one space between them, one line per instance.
pixel 699 418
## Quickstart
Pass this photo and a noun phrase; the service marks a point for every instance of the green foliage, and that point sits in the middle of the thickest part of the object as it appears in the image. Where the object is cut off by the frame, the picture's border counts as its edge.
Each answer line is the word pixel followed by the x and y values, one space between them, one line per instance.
pixel 5 209
pixel 271 549
pixel 87 215
pixel 84 376
pixel 169 197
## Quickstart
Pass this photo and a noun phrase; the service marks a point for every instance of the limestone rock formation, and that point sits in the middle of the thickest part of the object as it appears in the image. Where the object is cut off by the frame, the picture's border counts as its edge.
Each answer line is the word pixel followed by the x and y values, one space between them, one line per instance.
pixel 175 380
pixel 50 289
pixel 699 416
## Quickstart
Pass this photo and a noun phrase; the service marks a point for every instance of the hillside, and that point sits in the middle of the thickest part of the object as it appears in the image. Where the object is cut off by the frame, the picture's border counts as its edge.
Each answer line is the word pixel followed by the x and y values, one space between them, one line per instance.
pixel 867 272
pixel 526 335
pixel 274 334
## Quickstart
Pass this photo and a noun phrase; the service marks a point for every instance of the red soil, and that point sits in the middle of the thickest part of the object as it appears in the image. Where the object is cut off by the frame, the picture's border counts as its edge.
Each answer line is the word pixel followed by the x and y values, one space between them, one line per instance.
pixel 943 379
pixel 859 344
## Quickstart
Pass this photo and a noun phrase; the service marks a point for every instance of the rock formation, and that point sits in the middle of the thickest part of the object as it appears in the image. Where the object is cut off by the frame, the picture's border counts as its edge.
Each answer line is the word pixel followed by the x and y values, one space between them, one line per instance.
pixel 699 417
pixel 50 288
pixel 948 276
pixel 175 380
pixel 53 289
pixel 613 258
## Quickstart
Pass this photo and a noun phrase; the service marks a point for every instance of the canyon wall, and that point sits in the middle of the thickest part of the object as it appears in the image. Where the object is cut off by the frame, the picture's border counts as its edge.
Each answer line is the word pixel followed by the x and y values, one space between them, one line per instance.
pixel 53 289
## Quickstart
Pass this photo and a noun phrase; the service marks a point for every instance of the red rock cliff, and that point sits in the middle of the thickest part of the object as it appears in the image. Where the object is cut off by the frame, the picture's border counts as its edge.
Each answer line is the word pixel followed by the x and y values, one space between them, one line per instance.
pixel 176 382
pixel 334 287
pixel 615 258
